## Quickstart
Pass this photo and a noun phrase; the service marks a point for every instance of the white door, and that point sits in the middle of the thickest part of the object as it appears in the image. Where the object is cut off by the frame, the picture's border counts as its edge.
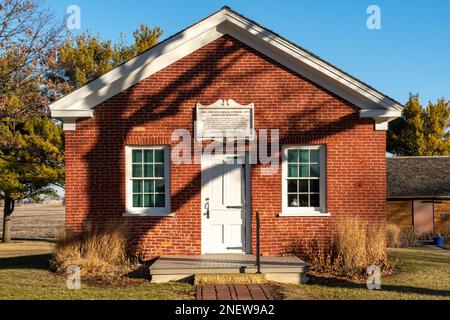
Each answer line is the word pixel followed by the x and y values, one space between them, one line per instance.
pixel 223 204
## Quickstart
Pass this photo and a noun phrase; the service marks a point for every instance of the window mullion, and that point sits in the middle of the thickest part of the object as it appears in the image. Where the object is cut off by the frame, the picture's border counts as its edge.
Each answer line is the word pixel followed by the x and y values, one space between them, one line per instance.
pixel 309 165
pixel 150 198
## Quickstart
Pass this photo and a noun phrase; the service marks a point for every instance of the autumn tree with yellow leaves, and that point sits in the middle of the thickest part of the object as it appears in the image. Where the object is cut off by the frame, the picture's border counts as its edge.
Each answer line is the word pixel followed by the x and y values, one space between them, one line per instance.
pixel 38 64
pixel 421 131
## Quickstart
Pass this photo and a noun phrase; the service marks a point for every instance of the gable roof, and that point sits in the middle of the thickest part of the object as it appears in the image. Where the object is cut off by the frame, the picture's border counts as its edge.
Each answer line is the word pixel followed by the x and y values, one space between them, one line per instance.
pixel 418 177
pixel 372 103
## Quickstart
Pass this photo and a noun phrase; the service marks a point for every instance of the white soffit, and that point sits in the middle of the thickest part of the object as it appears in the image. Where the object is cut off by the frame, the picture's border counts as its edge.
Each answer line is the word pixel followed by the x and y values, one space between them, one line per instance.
pixel 79 103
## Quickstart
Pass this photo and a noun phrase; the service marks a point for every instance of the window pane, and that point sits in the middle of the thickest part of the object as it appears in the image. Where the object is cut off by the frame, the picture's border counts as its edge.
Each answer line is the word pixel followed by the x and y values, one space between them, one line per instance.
pixel 304 155
pixel 314 200
pixel 293 156
pixel 137 170
pixel 149 186
pixel 304 170
pixel 159 170
pixel 302 185
pixel 303 200
pixel 292 186
pixel 148 155
pixel 315 172
pixel 137 156
pixel 160 186
pixel 149 200
pixel 315 156
pixel 149 192
pixel 292 200
pixel 293 170
pixel 160 200
pixel 148 170
pixel 159 156
pixel 314 185
pixel 137 186
pixel 137 200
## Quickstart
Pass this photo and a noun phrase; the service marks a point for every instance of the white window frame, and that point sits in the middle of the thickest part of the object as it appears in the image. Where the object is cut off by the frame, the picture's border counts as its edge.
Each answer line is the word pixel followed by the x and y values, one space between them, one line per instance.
pixel 304 211
pixel 132 211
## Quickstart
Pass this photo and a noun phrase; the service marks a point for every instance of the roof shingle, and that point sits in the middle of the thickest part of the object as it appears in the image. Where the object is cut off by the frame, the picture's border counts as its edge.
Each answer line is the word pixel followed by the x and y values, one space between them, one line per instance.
pixel 418 176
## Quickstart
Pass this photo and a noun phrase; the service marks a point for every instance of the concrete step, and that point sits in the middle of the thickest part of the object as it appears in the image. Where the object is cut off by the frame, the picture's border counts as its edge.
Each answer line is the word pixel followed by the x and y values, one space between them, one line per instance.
pixel 288 269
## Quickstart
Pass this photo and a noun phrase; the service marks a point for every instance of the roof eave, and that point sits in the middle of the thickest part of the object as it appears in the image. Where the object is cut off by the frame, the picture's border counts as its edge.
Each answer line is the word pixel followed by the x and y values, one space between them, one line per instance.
pixel 207 30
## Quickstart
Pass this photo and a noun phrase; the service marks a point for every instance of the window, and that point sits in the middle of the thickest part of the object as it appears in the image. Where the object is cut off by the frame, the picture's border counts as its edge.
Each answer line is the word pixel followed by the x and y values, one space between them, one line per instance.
pixel 148 180
pixel 303 180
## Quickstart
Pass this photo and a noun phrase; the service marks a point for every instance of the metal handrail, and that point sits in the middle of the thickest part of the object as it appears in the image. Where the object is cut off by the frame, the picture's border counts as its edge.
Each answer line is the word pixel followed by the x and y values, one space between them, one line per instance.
pixel 258 254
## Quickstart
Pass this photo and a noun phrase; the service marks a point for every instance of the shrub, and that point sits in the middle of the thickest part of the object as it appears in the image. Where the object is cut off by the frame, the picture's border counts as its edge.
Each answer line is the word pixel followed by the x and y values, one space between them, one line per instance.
pixel 427 236
pixel 98 252
pixel 392 236
pixel 354 246
pixel 408 238
pixel 376 246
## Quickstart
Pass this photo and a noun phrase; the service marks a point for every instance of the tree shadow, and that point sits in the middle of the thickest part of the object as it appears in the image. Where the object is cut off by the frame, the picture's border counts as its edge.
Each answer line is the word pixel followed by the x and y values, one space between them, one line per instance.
pixel 114 128
pixel 38 261
pixel 346 284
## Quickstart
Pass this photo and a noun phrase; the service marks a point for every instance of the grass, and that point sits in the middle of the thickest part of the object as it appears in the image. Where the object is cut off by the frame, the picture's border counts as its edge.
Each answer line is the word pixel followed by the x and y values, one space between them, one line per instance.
pixel 26 276
pixel 421 274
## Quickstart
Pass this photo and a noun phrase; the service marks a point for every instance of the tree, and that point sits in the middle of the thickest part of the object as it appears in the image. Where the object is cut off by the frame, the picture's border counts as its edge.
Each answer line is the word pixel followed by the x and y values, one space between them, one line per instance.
pixel 32 166
pixel 28 33
pixel 437 125
pixel 85 57
pixel 31 156
pixel 36 68
pixel 421 132
pixel 144 38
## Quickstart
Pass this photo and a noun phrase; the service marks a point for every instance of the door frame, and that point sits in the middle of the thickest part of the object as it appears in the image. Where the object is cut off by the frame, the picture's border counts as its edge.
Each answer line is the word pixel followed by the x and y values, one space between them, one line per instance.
pixel 247 219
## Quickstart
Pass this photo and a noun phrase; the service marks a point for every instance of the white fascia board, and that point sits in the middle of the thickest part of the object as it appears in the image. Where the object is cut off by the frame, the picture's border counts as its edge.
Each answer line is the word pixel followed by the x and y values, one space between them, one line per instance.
pixel 208 30
pixel 69 117
pixel 142 66
pixel 333 84
pixel 380 113
pixel 145 71
pixel 381 117
pixel 69 124
pixel 319 66
pixel 72 113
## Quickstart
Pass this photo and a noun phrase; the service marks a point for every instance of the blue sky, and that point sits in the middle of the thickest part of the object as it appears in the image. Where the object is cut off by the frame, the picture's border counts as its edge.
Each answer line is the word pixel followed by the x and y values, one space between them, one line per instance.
pixel 411 52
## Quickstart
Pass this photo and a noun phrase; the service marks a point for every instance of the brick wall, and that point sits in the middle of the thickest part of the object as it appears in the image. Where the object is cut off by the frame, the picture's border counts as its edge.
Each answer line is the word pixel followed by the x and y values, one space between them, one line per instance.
pixel 148 112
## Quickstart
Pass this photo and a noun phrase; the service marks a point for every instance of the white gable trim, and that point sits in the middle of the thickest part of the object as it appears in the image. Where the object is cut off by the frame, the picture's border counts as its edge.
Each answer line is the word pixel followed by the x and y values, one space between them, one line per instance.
pixel 79 103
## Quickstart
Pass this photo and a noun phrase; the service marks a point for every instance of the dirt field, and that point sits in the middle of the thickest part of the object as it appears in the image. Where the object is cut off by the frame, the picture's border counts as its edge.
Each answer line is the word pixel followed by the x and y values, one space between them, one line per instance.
pixel 24 248
pixel 35 222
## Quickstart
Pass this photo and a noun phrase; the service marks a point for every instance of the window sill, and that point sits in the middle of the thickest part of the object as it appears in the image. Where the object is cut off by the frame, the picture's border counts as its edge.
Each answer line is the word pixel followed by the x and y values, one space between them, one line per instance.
pixel 304 214
pixel 131 214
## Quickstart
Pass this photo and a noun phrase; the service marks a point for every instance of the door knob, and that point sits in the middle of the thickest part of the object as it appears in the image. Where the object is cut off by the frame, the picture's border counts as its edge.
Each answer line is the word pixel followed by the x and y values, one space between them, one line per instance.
pixel 234 207
pixel 207 208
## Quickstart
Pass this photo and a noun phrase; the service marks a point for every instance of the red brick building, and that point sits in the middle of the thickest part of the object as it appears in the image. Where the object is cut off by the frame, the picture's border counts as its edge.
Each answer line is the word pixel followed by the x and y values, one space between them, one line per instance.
pixel 120 143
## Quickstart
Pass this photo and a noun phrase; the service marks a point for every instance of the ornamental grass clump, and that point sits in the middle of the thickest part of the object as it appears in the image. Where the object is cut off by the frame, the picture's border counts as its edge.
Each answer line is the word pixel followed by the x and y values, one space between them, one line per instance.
pixel 354 246
pixel 99 252
pixel 392 236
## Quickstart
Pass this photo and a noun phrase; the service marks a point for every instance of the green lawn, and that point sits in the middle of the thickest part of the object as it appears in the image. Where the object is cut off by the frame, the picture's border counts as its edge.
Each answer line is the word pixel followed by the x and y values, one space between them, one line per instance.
pixel 421 274
pixel 27 277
